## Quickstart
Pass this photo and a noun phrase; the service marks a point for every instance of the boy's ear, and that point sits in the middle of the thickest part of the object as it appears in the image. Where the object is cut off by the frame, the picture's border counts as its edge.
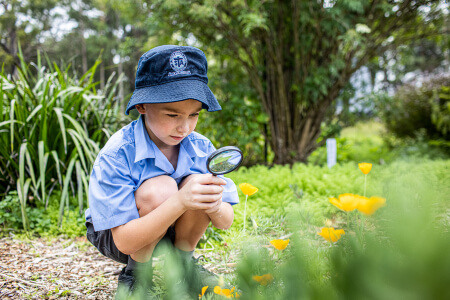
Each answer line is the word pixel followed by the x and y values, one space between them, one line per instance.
pixel 140 108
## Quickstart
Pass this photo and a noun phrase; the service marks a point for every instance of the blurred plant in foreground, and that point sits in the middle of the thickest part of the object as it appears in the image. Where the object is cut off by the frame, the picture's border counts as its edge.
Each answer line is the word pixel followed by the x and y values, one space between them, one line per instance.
pixel 401 254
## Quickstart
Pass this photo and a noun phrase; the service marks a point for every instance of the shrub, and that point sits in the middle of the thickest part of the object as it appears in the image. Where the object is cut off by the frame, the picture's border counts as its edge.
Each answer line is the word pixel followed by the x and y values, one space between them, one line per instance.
pixel 51 126
pixel 413 108
pixel 42 221
pixel 440 110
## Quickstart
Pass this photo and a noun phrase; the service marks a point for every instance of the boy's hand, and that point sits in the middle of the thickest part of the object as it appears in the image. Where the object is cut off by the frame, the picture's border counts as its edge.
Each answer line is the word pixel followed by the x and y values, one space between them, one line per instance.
pixel 201 192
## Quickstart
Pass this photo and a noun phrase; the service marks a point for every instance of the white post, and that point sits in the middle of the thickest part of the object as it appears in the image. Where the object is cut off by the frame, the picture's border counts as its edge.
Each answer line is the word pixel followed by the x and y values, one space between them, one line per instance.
pixel 331 152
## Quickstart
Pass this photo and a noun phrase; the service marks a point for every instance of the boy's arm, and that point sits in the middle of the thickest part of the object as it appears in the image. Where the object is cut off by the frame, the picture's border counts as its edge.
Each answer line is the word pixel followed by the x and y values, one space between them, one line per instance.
pixel 221 215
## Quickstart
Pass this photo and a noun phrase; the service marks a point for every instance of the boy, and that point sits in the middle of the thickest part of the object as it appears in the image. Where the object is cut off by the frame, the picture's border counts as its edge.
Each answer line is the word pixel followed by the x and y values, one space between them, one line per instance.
pixel 150 181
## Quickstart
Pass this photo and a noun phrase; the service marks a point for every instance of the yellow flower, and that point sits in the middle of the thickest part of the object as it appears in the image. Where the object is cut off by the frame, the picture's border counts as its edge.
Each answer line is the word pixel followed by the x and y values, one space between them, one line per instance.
pixel 365 167
pixel 226 292
pixel 248 189
pixel 346 202
pixel 330 234
pixel 263 279
pixel 280 244
pixel 369 205
pixel 203 291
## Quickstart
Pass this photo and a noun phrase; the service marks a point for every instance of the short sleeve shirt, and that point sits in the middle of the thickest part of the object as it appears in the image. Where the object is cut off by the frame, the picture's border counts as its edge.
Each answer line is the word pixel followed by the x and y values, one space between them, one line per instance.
pixel 128 159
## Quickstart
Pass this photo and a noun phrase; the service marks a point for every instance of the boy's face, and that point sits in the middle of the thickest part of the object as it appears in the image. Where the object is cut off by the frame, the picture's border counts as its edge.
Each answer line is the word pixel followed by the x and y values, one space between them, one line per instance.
pixel 169 123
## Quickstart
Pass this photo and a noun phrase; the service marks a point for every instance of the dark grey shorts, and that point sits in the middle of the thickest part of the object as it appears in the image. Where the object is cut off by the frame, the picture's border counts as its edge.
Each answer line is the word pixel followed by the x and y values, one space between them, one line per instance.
pixel 103 241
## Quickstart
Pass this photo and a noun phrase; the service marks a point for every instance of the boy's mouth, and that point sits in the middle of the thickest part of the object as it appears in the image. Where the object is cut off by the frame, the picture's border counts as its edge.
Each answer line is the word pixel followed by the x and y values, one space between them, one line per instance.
pixel 177 138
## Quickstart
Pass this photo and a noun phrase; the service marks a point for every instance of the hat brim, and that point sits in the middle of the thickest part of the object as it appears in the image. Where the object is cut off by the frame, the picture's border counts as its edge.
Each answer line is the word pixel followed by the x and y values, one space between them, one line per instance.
pixel 175 91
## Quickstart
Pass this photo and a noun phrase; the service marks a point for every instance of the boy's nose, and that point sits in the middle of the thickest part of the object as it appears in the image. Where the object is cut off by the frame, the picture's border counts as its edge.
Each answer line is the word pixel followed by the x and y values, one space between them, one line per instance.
pixel 183 127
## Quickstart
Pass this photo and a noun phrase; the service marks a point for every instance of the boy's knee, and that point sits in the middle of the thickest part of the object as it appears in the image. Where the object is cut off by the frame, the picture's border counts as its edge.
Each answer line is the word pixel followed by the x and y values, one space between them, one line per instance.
pixel 153 192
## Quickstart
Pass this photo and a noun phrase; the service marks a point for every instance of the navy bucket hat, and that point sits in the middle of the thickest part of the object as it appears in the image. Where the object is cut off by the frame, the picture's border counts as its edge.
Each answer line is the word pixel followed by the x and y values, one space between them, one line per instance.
pixel 170 74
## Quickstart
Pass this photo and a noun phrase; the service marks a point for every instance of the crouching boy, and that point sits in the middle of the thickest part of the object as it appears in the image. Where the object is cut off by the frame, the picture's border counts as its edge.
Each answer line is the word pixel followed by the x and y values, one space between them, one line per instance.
pixel 150 182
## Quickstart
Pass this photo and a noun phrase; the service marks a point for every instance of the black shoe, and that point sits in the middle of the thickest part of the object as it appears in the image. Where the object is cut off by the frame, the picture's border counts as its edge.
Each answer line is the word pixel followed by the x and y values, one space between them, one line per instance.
pixel 198 276
pixel 127 280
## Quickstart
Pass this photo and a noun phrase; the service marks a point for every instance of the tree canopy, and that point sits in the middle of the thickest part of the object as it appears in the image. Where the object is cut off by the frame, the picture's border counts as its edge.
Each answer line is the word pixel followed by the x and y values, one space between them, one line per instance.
pixel 299 55
pixel 277 66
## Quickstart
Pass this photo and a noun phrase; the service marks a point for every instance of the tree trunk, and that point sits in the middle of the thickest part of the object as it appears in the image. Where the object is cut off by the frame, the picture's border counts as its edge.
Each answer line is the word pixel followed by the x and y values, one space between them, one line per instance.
pixel 83 49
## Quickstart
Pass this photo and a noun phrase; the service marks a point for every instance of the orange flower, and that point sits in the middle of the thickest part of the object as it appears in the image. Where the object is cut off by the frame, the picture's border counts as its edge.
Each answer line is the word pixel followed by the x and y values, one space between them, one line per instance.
pixel 280 244
pixel 203 291
pixel 263 279
pixel 330 234
pixel 369 205
pixel 248 189
pixel 365 167
pixel 346 202
pixel 225 292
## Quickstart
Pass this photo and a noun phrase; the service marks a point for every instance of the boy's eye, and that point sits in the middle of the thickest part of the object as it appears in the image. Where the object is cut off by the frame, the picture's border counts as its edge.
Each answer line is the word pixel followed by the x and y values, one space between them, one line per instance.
pixel 171 115
pixel 195 115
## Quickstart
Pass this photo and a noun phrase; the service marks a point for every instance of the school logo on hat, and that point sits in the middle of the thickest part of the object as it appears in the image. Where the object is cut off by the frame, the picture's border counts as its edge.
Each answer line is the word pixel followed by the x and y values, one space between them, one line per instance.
pixel 178 62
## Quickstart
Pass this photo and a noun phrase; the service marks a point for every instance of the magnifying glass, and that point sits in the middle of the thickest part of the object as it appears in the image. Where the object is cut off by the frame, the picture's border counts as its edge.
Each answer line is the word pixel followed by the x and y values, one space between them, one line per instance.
pixel 224 160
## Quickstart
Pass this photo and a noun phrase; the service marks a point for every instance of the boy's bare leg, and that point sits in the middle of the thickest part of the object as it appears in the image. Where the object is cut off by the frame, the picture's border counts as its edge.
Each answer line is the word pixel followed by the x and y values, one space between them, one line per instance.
pixel 190 227
pixel 152 193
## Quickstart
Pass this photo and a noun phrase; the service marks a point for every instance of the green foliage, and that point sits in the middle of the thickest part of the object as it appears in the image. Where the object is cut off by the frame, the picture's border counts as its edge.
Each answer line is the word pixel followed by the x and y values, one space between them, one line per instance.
pixel 413 108
pixel 241 122
pixel 369 141
pixel 42 222
pixel 22 22
pixel 399 252
pixel 440 110
pixel 362 142
pixel 51 126
pixel 297 56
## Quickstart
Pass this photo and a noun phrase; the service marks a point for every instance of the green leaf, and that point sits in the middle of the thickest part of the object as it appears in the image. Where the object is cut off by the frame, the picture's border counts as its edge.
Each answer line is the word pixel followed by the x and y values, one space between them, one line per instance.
pixel 65 191
pixel 42 164
pixel 80 175
pixel 58 112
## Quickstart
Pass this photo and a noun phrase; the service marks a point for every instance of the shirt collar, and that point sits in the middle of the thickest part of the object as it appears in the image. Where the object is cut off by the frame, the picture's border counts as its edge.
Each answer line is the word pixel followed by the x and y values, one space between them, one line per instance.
pixel 191 149
pixel 142 141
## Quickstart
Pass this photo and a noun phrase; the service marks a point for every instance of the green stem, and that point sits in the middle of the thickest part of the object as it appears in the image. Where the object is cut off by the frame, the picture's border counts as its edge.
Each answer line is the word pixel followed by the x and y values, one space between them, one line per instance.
pixel 348 221
pixel 365 179
pixel 245 209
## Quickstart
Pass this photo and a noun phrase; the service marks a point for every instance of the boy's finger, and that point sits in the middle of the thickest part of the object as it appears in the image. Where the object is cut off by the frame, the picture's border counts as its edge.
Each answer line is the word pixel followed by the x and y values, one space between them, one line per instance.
pixel 211 189
pixel 208 198
pixel 210 179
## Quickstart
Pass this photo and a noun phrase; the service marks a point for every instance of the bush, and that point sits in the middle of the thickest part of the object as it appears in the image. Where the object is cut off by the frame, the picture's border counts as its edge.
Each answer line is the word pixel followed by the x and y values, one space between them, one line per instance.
pixel 440 108
pixel 413 108
pixel 42 221
pixel 51 126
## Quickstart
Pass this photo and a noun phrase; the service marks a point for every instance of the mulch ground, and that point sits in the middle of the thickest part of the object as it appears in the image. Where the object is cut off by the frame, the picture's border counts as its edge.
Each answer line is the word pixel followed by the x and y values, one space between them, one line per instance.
pixel 55 269
pixel 58 268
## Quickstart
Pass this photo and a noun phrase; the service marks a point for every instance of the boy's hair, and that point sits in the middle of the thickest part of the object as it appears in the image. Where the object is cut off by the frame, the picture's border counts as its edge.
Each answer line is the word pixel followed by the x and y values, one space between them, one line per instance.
pixel 172 73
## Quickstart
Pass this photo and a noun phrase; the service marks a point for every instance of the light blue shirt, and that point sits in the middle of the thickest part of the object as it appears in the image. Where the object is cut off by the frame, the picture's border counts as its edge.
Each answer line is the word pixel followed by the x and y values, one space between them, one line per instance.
pixel 128 159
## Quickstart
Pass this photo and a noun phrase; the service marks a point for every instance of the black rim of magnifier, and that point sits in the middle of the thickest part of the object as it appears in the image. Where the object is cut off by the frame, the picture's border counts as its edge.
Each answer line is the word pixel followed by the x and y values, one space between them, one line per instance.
pixel 219 151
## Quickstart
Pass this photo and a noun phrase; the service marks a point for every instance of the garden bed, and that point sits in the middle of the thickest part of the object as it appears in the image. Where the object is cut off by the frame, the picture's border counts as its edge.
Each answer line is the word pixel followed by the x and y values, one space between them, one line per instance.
pixel 55 269
pixel 59 268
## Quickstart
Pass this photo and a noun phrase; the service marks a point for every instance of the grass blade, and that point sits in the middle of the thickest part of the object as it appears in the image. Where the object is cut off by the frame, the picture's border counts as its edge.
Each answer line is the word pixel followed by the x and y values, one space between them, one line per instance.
pixel 57 166
pixel 42 164
pixel 35 111
pixel 75 139
pixel 31 169
pixel 11 117
pixel 22 191
pixel 80 175
pixel 65 191
pixel 58 112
